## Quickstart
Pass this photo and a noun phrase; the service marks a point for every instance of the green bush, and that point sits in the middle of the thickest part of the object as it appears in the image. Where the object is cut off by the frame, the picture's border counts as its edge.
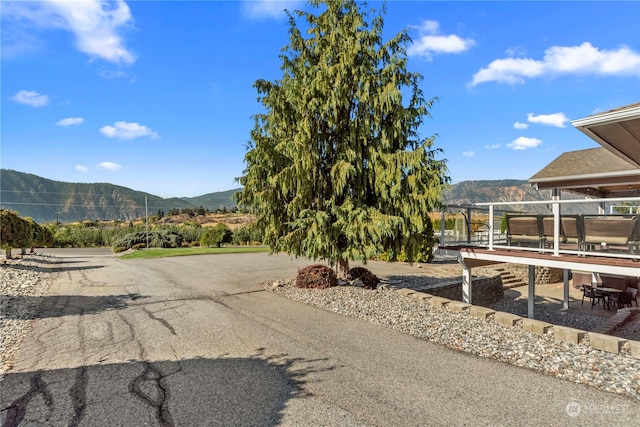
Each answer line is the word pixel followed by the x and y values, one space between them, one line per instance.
pixel 216 236
pixel 246 234
pixel 119 249
pixel 139 246
pixel 316 276
pixel 157 239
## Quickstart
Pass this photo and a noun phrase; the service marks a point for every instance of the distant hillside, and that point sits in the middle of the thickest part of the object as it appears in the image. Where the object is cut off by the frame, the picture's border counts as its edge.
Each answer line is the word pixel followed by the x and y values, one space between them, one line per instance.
pixel 214 200
pixel 47 200
pixel 506 190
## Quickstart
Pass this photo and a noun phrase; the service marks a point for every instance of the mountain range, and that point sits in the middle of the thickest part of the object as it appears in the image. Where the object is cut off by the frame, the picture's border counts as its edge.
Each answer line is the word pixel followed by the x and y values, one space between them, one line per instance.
pixel 46 200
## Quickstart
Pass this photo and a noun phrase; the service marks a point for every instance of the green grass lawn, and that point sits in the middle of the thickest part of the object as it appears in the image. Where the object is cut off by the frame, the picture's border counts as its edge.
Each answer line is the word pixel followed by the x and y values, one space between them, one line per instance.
pixel 162 253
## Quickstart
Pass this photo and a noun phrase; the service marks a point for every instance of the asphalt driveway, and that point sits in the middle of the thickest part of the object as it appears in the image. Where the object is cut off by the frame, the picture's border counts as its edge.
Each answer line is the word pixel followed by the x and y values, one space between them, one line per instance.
pixel 195 341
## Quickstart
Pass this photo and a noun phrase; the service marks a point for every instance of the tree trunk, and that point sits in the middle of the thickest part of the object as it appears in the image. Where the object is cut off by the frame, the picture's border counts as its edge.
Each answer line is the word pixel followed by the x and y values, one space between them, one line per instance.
pixel 23 251
pixel 7 252
pixel 343 268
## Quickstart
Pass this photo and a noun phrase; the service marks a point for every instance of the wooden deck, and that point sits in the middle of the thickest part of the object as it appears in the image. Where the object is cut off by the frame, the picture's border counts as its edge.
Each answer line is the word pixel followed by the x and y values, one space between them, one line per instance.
pixel 478 256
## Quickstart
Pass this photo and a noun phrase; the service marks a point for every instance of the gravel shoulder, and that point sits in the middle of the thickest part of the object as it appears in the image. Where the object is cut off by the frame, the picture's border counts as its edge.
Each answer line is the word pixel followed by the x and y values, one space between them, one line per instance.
pixel 617 373
pixel 22 280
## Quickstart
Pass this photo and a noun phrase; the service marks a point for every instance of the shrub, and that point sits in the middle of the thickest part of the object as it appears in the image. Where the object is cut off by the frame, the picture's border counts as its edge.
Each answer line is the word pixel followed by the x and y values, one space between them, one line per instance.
pixel 119 249
pixel 369 280
pixel 157 239
pixel 316 276
pixel 217 235
pixel 139 246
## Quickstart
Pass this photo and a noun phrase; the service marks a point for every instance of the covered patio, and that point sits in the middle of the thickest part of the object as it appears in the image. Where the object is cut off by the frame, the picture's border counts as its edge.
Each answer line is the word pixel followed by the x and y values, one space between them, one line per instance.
pixel 606 175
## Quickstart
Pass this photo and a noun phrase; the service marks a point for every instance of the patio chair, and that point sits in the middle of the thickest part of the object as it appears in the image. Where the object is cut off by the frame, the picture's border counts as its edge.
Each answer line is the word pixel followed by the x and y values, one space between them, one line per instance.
pixel 622 299
pixel 573 230
pixel 613 231
pixel 525 229
pixel 593 294
pixel 547 230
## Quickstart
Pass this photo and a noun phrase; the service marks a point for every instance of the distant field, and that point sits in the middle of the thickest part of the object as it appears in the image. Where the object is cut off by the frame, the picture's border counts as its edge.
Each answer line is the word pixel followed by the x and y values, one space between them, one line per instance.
pixel 163 253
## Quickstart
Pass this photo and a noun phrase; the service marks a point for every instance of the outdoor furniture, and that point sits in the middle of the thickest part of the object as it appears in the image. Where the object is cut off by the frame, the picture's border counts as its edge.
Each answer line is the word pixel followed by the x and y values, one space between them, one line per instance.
pixel 611 295
pixel 547 230
pixel 594 295
pixel 621 299
pixel 612 231
pixel 573 230
pixel 580 278
pixel 524 229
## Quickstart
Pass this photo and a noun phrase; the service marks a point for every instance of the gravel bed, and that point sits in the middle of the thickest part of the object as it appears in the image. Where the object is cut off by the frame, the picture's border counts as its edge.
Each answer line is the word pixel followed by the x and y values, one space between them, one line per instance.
pixel 617 373
pixel 21 279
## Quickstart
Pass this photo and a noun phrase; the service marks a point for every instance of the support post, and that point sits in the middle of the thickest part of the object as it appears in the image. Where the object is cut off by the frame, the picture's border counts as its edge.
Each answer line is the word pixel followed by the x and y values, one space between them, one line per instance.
pixel 490 227
pixel 467 286
pixel 556 222
pixel 442 228
pixel 468 222
pixel 565 281
pixel 532 291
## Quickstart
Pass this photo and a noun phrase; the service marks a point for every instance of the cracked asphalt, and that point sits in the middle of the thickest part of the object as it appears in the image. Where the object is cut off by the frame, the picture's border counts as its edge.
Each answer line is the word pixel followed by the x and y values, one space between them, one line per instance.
pixel 195 341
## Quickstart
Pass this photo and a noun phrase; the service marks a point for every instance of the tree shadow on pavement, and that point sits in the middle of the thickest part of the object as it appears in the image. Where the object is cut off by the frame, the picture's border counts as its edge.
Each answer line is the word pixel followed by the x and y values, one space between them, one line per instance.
pixel 40 307
pixel 233 391
pixel 50 269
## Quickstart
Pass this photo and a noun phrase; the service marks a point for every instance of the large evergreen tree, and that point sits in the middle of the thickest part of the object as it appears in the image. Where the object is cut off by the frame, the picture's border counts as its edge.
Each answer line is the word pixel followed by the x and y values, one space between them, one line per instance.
pixel 335 168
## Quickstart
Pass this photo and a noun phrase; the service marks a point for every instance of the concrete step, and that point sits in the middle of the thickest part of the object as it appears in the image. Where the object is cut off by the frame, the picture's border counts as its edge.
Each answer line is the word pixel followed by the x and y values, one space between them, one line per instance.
pixel 509 280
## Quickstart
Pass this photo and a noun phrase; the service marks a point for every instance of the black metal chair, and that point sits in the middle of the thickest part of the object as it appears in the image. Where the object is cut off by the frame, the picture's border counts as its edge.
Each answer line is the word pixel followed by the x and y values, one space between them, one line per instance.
pixel 622 299
pixel 594 295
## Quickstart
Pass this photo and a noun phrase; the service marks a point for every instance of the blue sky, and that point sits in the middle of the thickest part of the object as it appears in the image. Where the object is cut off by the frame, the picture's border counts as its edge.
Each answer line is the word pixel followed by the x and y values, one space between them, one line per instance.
pixel 157 96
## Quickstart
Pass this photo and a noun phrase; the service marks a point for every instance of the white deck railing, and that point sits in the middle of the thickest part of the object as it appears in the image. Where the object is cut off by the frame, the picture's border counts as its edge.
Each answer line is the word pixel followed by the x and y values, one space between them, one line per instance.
pixel 555 204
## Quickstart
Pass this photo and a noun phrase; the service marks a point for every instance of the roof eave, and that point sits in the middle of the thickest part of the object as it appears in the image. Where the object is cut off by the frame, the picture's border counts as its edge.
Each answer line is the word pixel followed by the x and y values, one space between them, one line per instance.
pixel 617 116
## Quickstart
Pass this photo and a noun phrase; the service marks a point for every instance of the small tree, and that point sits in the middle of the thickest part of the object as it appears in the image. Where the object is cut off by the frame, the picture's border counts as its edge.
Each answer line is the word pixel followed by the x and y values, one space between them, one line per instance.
pixel 335 168
pixel 216 235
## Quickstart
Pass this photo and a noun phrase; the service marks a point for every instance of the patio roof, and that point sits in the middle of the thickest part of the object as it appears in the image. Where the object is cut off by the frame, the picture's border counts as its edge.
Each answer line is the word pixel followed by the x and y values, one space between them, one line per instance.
pixel 616 130
pixel 610 171
pixel 595 172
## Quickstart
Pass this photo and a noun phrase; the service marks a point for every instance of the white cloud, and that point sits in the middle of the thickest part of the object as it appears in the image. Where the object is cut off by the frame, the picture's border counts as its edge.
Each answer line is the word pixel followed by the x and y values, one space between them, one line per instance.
pixel 94 23
pixel 492 147
pixel 522 143
pixel 127 130
pixel 109 166
pixel 70 121
pixel 431 42
pixel 258 9
pixel 518 125
pixel 557 119
pixel 559 60
pixel 469 153
pixel 30 98
pixel 80 168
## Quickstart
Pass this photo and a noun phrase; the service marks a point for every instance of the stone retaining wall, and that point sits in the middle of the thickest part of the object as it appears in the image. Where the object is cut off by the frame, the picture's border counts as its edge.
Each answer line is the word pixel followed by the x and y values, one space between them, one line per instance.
pixel 544 275
pixel 485 290
pixel 595 340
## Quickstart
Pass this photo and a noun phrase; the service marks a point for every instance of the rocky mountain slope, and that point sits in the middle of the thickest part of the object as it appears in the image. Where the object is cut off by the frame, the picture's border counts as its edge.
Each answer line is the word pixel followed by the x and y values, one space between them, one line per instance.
pixel 47 200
